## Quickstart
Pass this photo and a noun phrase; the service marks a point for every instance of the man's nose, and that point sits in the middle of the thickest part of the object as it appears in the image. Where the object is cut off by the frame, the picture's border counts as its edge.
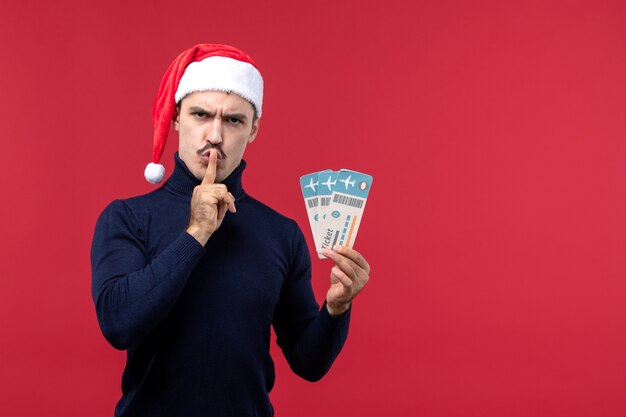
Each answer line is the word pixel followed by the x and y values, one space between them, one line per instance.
pixel 214 134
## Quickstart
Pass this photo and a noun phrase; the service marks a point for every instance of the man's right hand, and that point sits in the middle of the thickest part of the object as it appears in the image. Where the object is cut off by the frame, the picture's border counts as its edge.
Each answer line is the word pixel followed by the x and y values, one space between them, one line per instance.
pixel 209 203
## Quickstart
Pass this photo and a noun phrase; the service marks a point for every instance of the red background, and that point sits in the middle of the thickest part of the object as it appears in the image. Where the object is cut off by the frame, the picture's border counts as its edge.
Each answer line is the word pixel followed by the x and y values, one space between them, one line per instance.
pixel 495 229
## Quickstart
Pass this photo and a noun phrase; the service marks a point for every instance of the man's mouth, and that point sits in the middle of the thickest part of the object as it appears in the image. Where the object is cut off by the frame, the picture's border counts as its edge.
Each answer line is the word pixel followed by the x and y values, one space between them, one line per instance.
pixel 206 151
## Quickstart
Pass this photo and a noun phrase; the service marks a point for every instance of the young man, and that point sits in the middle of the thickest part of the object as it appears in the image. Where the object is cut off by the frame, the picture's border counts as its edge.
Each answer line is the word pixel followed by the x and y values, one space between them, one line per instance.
pixel 190 277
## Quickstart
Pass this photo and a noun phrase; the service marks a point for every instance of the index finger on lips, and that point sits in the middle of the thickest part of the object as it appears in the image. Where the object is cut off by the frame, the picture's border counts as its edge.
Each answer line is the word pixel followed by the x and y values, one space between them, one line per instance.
pixel 209 175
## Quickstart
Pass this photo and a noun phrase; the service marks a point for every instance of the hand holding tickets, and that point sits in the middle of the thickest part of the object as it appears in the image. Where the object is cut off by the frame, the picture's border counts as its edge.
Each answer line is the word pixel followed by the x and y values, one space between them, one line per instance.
pixel 335 201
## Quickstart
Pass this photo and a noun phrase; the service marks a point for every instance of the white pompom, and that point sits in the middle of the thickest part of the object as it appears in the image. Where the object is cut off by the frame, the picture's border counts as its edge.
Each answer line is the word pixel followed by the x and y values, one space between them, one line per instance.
pixel 154 173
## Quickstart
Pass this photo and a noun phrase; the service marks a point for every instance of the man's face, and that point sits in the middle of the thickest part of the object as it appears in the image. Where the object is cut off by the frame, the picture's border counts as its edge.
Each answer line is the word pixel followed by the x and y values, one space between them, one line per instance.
pixel 214 120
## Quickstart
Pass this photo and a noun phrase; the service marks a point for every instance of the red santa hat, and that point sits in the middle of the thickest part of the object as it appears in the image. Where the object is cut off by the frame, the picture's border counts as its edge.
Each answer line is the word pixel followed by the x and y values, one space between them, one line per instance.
pixel 201 68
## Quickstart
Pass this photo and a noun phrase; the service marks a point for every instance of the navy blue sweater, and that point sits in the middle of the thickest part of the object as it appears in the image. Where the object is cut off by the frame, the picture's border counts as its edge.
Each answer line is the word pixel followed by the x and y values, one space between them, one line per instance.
pixel 195 321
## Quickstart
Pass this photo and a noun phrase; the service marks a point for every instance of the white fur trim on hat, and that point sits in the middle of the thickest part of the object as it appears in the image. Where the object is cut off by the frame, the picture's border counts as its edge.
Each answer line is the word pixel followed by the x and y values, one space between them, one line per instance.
pixel 219 73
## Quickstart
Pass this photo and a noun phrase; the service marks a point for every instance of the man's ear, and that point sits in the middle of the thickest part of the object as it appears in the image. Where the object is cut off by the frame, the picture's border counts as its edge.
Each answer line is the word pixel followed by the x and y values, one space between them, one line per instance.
pixel 176 118
pixel 255 129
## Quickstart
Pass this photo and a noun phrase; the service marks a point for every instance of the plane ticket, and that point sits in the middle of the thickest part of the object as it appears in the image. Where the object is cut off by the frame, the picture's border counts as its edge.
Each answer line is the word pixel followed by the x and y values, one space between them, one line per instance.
pixel 335 203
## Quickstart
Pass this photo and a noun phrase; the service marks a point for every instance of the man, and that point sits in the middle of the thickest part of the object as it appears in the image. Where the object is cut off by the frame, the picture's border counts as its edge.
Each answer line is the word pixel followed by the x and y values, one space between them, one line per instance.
pixel 190 277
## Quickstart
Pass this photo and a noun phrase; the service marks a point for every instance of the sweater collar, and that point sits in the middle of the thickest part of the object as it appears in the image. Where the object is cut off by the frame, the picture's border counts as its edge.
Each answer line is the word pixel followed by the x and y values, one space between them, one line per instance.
pixel 183 181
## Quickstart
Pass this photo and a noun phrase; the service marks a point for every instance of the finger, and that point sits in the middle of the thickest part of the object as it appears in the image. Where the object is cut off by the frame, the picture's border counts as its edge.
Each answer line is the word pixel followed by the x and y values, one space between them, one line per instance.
pixel 231 203
pixel 342 277
pixel 221 210
pixel 343 263
pixel 349 268
pixel 209 175
pixel 222 195
pixel 217 194
pixel 355 256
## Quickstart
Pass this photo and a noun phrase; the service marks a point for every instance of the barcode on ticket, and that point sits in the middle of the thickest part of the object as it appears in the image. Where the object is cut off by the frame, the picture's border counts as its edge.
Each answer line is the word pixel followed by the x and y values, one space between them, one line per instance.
pixel 348 201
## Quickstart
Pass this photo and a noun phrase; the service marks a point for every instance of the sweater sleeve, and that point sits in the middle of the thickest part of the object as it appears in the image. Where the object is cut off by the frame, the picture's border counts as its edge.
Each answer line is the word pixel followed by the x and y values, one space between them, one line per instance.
pixel 133 290
pixel 309 337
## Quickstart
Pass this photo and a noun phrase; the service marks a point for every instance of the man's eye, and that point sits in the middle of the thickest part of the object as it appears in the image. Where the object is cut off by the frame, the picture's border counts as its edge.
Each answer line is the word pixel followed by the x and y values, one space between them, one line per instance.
pixel 234 120
pixel 199 114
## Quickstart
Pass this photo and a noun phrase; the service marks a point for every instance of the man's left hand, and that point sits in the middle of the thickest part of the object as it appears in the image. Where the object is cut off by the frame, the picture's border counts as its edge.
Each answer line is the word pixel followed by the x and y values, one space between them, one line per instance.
pixel 347 278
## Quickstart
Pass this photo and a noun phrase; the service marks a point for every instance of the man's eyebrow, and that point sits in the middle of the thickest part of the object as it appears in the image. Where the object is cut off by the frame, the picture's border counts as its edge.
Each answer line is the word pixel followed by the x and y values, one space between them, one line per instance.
pixel 240 116
pixel 199 109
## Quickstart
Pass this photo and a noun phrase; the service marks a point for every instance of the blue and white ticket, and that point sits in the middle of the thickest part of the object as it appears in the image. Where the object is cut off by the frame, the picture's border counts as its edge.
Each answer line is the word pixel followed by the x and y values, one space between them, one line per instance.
pixel 309 185
pixel 335 203
pixel 327 181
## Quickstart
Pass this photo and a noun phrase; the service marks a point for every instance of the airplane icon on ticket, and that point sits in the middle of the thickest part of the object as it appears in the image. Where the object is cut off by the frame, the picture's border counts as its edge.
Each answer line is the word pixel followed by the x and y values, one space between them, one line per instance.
pixel 329 184
pixel 348 182
pixel 311 185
